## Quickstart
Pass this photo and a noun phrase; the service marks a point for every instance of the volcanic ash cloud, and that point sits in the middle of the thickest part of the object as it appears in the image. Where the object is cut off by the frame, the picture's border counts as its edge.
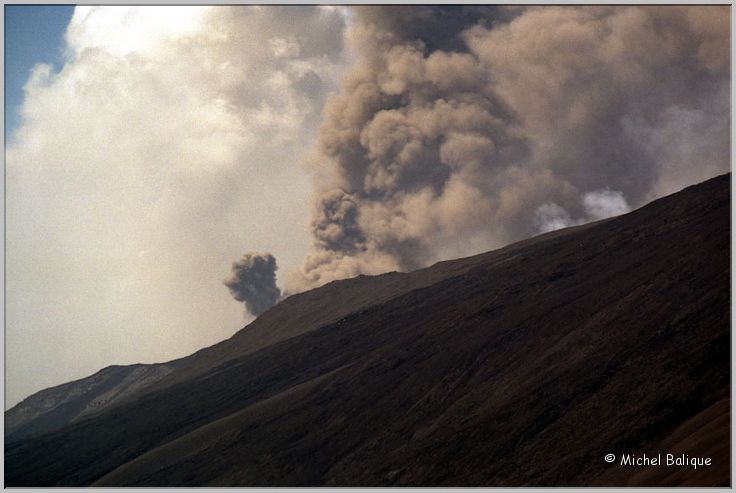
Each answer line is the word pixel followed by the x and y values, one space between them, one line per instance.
pixel 253 281
pixel 458 126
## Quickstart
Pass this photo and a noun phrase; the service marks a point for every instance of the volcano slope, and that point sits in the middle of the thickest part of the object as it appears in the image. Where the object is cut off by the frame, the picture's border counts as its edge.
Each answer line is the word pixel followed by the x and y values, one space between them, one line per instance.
pixel 521 366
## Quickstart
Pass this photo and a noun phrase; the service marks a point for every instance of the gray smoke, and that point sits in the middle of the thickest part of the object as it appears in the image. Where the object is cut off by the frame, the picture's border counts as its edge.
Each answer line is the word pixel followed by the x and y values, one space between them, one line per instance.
pixel 253 281
pixel 462 129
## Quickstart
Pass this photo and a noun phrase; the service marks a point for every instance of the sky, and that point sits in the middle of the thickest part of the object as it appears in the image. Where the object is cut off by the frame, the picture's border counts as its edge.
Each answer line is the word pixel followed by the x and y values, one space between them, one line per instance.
pixel 33 34
pixel 175 171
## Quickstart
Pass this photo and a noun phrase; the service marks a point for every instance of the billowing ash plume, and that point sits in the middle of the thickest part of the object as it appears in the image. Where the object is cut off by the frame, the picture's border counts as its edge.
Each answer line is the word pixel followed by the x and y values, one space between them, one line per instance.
pixel 253 281
pixel 462 129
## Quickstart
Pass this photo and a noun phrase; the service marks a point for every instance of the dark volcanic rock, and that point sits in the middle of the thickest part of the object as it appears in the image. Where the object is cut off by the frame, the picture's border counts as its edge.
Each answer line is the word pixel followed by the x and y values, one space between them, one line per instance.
pixel 522 366
pixel 54 407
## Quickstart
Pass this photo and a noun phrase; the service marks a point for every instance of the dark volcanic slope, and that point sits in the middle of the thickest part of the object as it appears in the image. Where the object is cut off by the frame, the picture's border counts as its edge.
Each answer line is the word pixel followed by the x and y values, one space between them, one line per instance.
pixel 51 408
pixel 55 407
pixel 523 366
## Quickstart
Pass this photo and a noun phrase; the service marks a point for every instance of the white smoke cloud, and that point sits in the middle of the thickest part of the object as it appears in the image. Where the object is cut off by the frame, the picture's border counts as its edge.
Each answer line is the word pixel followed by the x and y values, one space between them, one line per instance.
pixel 167 144
pixel 598 204
pixel 602 204
pixel 550 217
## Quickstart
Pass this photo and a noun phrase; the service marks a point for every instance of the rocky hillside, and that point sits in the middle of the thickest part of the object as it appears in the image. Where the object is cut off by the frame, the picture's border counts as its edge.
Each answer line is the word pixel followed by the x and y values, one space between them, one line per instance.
pixel 54 407
pixel 521 366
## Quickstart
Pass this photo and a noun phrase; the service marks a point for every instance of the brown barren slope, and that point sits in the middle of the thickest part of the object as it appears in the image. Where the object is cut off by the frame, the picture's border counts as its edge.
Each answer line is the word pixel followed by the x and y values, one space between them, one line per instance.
pixel 523 366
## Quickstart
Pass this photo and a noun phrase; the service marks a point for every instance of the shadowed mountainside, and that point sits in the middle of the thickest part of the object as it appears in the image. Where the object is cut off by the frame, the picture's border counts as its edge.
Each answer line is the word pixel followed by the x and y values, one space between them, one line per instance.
pixel 51 408
pixel 57 406
pixel 521 366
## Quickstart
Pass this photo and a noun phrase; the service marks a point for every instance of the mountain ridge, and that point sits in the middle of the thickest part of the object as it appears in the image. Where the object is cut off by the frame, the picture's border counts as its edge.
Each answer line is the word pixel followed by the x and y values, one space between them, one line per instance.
pixel 25 418
pixel 475 373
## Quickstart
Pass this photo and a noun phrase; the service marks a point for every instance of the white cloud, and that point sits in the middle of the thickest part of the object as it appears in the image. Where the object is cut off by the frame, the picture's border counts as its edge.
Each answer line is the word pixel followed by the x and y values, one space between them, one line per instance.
pixel 597 205
pixel 605 203
pixel 550 217
pixel 122 30
pixel 166 147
